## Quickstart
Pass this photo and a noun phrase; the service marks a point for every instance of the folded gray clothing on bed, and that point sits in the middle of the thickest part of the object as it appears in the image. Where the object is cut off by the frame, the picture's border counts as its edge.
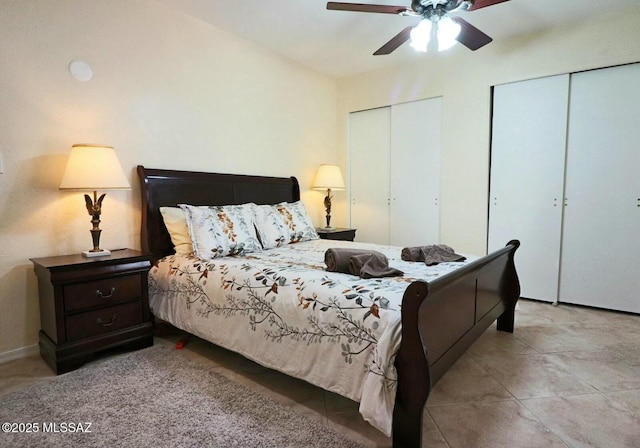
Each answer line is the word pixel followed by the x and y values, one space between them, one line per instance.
pixel 440 254
pixel 412 253
pixel 367 262
pixel 431 255
pixel 372 265
pixel 337 259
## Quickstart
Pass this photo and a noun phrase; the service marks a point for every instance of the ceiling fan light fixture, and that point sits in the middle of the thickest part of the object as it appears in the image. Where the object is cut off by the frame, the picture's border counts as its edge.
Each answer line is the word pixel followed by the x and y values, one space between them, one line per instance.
pixel 420 35
pixel 444 32
pixel 436 31
pixel 448 31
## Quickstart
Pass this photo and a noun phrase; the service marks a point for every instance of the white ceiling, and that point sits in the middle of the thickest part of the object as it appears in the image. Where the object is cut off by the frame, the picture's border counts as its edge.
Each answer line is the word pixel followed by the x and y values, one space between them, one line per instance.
pixel 341 43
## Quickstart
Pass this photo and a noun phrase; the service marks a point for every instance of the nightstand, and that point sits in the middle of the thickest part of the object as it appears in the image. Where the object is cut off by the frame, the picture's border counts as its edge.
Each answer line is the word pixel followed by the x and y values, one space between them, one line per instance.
pixel 88 305
pixel 336 233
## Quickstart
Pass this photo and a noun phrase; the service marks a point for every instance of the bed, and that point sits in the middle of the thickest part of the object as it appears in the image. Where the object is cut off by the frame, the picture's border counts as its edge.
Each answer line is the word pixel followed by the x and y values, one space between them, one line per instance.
pixel 417 324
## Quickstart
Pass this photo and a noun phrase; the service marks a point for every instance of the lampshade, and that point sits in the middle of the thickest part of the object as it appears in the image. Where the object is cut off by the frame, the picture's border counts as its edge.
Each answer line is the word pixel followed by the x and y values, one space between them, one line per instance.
pixel 93 167
pixel 328 177
pixel 443 31
pixel 448 30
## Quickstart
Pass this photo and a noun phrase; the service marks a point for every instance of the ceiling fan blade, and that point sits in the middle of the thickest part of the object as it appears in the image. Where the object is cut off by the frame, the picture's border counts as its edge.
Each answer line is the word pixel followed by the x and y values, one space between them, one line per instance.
pixel 470 36
pixel 395 42
pixel 361 7
pixel 477 4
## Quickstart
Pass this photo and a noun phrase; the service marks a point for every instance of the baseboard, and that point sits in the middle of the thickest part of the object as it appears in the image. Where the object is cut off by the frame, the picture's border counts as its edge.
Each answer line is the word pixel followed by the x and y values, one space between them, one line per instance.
pixel 19 353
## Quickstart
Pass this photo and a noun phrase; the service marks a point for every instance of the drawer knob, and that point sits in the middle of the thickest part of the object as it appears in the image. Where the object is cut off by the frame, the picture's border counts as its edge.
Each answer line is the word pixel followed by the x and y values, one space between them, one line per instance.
pixel 107 324
pixel 108 296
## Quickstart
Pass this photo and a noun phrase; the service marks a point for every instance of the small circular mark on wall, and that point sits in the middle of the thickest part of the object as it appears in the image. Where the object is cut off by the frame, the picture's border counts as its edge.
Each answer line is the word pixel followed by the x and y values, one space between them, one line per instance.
pixel 80 70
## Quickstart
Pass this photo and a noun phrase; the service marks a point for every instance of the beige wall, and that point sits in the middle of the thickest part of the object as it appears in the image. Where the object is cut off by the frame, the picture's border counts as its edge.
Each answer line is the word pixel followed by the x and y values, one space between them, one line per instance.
pixel 464 79
pixel 167 91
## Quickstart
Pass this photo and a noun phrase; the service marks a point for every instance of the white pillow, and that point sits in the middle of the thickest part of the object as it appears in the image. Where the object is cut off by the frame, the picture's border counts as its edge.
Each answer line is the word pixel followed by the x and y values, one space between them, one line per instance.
pixel 176 223
pixel 221 230
pixel 284 223
pixel 271 227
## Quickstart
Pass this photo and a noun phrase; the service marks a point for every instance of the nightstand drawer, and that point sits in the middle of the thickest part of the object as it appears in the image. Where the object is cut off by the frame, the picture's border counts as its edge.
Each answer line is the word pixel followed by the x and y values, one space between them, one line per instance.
pixel 102 292
pixel 93 323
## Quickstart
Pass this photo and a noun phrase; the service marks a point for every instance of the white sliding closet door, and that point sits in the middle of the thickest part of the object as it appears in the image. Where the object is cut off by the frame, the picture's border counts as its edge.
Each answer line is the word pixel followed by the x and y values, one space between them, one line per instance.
pixel 394 163
pixel 527 177
pixel 369 143
pixel 416 135
pixel 601 243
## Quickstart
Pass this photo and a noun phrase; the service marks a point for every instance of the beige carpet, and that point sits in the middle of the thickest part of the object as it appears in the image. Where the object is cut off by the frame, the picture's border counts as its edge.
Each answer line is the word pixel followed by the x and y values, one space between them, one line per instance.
pixel 154 398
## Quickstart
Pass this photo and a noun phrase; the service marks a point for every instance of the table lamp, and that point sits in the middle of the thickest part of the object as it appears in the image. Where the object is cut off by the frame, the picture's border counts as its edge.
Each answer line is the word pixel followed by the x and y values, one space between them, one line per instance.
pixel 328 178
pixel 94 167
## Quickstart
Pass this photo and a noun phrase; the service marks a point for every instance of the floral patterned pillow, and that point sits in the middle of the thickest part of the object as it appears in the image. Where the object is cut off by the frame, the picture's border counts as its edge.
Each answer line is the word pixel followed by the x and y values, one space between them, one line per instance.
pixel 221 230
pixel 270 225
pixel 283 223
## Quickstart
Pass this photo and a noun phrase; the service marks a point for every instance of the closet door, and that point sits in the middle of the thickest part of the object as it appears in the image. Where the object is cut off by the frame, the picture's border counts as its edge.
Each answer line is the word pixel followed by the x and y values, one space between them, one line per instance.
pixel 416 135
pixel 369 146
pixel 601 242
pixel 527 174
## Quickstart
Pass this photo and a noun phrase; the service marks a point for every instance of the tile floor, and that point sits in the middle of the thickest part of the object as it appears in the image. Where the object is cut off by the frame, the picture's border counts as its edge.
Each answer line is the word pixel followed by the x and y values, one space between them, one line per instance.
pixel 567 377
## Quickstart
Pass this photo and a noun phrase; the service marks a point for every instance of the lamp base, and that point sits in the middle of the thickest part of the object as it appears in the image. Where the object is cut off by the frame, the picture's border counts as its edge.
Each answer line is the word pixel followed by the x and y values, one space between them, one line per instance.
pixel 100 253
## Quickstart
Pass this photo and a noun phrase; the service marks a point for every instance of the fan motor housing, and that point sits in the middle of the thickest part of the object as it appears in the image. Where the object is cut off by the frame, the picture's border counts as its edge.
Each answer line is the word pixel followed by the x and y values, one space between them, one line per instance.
pixel 430 8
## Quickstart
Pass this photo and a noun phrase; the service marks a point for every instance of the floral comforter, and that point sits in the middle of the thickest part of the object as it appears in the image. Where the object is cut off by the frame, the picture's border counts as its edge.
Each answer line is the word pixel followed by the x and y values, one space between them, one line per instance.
pixel 282 309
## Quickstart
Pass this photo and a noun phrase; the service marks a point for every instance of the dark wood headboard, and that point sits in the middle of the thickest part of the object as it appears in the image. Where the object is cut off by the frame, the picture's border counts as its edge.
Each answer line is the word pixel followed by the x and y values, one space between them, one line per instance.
pixel 168 188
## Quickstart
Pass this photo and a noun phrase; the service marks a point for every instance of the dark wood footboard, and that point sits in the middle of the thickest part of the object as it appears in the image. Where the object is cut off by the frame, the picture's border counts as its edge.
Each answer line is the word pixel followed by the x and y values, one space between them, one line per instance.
pixel 440 321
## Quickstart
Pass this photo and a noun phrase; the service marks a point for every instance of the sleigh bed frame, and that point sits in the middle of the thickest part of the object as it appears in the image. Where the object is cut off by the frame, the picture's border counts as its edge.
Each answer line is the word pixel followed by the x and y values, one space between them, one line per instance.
pixel 440 319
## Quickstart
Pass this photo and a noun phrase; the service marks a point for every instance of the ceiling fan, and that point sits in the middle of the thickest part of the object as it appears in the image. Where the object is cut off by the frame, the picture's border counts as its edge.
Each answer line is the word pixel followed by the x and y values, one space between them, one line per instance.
pixel 436 30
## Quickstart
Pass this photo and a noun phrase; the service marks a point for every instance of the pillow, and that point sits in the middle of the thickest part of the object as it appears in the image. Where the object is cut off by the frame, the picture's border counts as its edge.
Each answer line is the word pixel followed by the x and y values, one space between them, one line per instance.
pixel 271 228
pixel 284 223
pixel 176 224
pixel 221 230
